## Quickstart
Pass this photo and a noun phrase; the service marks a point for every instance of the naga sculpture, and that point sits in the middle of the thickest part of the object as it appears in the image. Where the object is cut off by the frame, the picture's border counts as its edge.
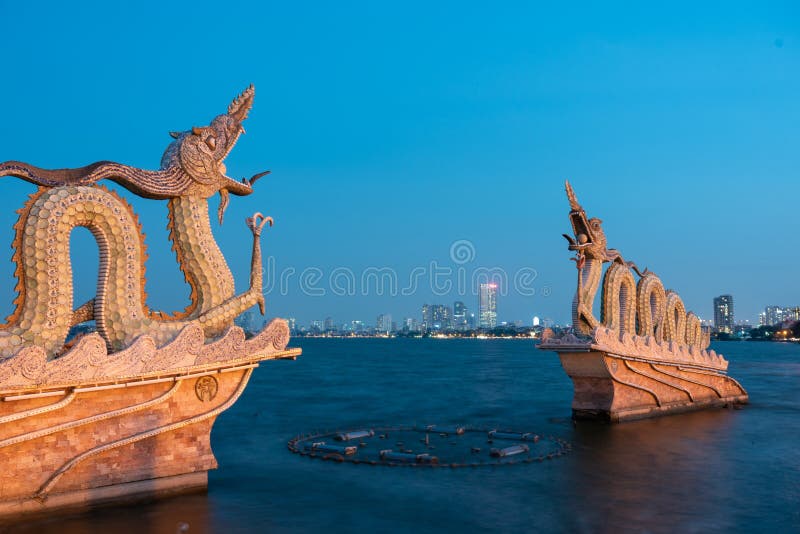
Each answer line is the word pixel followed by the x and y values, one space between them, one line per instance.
pixel 192 170
pixel 645 355
pixel 126 411
pixel 643 308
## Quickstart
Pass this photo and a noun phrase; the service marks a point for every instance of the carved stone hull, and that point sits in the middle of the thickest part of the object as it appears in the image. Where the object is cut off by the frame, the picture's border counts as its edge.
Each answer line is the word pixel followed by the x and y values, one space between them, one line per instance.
pixel 108 440
pixel 615 389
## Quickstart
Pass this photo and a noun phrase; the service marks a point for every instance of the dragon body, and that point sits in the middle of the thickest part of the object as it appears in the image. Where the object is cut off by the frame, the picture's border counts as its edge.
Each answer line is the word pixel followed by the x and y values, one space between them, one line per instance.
pixel 641 308
pixel 192 170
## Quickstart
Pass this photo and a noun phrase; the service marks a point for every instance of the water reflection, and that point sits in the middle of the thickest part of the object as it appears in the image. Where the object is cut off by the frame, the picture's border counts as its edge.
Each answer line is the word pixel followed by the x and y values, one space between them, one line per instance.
pixel 185 513
pixel 651 474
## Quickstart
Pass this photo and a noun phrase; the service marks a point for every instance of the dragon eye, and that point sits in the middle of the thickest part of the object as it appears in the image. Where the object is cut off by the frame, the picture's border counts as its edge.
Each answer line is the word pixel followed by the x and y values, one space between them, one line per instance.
pixel 211 142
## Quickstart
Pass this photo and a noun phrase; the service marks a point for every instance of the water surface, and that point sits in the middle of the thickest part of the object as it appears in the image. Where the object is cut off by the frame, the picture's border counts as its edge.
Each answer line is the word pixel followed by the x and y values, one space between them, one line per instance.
pixel 718 470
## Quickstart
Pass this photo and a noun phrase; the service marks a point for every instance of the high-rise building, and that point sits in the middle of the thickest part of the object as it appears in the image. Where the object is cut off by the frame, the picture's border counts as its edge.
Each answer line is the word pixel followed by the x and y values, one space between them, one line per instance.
pixel 329 325
pixel 776 314
pixel 384 323
pixel 426 317
pixel 292 324
pixel 723 314
pixel 773 315
pixel 437 317
pixel 441 317
pixel 488 305
pixel 459 315
pixel 410 324
pixel 357 326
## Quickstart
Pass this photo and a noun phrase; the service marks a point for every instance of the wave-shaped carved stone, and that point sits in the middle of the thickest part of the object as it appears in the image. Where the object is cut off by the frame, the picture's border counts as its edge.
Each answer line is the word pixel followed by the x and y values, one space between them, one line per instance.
pixel 607 340
pixel 24 368
pixel 88 359
pixel 232 342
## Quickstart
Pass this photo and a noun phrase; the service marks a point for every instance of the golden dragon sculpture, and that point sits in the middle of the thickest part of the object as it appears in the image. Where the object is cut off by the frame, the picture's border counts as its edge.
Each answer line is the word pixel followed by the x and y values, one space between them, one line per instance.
pixel 642 308
pixel 192 170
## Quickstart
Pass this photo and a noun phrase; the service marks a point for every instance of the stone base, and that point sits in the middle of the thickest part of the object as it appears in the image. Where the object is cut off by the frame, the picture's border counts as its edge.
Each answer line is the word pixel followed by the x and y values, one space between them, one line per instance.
pixel 82 500
pixel 614 388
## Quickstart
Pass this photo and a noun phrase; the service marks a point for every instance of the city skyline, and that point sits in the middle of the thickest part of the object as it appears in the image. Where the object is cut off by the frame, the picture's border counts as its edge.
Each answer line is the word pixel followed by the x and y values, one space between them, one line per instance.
pixel 442 316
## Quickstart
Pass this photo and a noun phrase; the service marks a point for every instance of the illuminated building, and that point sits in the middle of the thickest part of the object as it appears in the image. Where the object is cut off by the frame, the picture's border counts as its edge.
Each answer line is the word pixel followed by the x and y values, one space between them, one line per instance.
pixel 488 305
pixel 723 314
pixel 459 315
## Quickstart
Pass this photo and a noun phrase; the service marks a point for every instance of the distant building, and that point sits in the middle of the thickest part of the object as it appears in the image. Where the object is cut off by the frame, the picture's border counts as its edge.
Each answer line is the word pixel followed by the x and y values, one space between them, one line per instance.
pixel 459 315
pixel 358 326
pixel 426 317
pixel 437 317
pixel 488 305
pixel 384 323
pixel 535 321
pixel 441 317
pixel 410 324
pixel 723 314
pixel 773 315
pixel 317 327
pixel 329 325
pixel 292 324
pixel 776 314
pixel 471 322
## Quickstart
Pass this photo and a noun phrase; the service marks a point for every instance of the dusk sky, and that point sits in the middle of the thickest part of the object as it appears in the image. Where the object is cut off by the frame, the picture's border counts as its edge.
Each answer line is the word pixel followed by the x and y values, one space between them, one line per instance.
pixel 403 135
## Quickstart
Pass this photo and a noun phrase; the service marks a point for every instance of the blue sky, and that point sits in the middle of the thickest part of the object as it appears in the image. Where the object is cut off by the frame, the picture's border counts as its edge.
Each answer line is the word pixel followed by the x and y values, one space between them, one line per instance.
pixel 394 130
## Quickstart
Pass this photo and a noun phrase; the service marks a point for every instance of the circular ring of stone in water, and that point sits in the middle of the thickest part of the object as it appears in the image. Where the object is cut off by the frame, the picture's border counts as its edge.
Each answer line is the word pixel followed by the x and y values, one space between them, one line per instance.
pixel 429 446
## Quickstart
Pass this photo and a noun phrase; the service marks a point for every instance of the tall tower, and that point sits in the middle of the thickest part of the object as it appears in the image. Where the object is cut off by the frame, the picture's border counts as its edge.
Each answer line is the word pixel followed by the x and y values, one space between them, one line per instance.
pixel 459 315
pixel 488 298
pixel 384 323
pixel 723 314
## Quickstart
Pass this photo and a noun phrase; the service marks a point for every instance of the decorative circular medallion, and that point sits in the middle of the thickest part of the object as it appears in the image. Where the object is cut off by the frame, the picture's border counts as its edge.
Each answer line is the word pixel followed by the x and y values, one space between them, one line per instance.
pixel 206 388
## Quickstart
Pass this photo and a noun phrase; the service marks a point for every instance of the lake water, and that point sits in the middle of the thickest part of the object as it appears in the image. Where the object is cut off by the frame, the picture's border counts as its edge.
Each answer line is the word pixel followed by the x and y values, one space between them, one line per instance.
pixel 718 470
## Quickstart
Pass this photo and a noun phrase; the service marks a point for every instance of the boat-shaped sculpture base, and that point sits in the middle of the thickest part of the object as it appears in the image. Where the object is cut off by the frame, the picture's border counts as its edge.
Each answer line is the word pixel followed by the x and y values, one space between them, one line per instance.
pixel 641 379
pixel 109 436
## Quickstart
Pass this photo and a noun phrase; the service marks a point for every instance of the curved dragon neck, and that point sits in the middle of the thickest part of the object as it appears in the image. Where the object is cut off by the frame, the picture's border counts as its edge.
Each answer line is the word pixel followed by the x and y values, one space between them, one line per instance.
pixel 44 313
pixel 199 256
pixel 583 319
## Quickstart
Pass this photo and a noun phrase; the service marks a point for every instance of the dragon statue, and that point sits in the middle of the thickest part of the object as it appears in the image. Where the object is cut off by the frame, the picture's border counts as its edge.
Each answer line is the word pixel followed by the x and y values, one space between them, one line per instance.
pixel 640 308
pixel 192 170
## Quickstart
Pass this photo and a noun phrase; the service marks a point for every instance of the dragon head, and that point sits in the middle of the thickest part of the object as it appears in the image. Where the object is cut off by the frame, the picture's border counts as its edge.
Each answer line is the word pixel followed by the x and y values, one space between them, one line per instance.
pixel 590 240
pixel 201 152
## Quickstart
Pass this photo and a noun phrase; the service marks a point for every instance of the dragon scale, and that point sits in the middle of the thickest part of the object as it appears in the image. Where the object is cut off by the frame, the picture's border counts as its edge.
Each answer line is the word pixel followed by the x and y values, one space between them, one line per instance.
pixel 44 312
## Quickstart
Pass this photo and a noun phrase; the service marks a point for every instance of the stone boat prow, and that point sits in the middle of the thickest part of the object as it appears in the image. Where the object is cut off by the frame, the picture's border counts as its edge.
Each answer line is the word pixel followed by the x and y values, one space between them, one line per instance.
pixel 634 378
pixel 88 427
pixel 645 356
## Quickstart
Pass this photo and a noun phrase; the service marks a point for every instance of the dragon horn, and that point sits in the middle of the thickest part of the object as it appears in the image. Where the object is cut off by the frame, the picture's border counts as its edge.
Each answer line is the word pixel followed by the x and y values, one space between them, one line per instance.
pixel 241 105
pixel 573 201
